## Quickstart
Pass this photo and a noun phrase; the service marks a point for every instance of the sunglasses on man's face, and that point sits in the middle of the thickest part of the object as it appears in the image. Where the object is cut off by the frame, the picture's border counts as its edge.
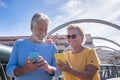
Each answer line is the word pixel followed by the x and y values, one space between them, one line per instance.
pixel 73 36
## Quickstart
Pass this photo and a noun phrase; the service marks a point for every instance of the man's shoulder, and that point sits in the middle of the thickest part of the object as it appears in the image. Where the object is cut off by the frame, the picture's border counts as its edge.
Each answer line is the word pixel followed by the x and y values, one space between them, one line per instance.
pixel 20 41
pixel 49 44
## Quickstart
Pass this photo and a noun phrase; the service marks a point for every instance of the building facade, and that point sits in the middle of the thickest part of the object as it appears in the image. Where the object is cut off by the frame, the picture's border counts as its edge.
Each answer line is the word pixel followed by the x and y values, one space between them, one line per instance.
pixel 62 45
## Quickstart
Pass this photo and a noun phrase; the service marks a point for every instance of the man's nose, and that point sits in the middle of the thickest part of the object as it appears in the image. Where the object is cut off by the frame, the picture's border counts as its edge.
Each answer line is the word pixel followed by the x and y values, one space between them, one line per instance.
pixel 42 33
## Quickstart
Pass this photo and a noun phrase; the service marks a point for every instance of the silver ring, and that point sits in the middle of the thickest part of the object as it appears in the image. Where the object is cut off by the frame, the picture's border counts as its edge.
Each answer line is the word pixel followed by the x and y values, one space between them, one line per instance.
pixel 28 61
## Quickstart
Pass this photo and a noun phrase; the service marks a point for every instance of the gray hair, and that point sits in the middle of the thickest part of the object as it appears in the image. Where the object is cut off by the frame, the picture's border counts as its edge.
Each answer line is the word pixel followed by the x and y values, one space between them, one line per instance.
pixel 39 17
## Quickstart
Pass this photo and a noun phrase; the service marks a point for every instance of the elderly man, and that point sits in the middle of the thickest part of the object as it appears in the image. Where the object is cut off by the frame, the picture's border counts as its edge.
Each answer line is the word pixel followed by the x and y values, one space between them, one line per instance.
pixel 32 58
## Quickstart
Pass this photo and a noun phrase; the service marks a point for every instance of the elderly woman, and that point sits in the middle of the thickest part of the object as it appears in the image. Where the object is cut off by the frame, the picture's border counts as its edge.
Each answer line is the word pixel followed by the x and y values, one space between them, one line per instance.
pixel 82 63
pixel 31 58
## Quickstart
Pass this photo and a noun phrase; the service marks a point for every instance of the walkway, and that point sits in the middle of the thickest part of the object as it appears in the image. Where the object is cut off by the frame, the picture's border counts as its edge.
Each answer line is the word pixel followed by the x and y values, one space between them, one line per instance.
pixel 118 78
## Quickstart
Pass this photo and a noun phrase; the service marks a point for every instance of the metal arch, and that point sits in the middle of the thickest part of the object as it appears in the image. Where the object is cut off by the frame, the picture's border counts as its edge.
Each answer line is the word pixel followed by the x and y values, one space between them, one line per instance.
pixel 101 46
pixel 105 47
pixel 83 21
pixel 107 40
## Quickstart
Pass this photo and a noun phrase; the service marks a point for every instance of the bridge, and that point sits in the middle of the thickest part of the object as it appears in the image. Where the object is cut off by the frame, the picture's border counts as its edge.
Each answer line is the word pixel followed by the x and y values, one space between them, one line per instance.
pixel 106 70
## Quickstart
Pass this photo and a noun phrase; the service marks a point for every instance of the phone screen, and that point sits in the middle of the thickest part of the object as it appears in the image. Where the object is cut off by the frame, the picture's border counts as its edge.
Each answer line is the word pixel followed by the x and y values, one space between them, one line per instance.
pixel 60 56
pixel 33 55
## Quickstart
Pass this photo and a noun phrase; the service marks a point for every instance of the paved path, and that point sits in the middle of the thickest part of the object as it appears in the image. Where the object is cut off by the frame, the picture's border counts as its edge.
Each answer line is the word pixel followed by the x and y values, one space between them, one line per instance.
pixel 118 78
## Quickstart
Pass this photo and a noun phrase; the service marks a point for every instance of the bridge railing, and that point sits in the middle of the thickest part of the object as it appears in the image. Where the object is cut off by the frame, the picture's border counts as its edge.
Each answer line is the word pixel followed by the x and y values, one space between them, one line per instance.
pixel 109 71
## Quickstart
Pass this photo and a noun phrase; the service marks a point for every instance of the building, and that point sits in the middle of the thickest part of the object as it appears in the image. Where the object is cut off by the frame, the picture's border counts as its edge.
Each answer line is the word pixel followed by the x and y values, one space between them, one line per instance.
pixel 62 45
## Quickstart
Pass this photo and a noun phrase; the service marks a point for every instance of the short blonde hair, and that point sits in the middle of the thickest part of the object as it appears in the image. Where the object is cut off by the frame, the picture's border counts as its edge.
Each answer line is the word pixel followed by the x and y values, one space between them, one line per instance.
pixel 75 27
pixel 39 17
pixel 78 29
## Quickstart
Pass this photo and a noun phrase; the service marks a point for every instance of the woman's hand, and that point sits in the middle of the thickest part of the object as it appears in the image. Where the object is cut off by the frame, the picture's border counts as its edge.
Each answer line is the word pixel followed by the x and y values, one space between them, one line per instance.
pixel 66 67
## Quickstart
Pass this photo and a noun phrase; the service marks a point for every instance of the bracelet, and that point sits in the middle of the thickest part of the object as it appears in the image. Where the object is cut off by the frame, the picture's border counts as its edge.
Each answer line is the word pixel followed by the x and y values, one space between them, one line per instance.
pixel 52 73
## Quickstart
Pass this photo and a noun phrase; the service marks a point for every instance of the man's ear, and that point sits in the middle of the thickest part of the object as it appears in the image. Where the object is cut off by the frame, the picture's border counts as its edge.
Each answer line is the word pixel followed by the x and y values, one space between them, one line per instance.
pixel 31 28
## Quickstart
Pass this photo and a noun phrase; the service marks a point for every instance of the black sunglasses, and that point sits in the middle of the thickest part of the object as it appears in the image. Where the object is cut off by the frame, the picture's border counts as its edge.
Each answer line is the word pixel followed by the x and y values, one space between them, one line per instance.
pixel 73 36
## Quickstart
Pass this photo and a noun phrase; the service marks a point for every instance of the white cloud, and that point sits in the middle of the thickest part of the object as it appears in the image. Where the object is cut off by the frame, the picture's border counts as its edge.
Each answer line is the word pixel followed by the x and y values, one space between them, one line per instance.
pixel 100 9
pixel 70 12
pixel 3 4
pixel 96 9
pixel 71 9
pixel 81 9
pixel 71 6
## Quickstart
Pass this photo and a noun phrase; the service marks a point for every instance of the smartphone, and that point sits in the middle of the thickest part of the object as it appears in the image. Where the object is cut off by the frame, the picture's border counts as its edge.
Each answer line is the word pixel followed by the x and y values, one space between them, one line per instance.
pixel 33 55
pixel 61 57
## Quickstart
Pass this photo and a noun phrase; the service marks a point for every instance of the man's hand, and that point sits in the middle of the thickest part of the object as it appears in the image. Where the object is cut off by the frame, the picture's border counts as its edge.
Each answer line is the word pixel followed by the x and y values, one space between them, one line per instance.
pixel 28 67
pixel 45 66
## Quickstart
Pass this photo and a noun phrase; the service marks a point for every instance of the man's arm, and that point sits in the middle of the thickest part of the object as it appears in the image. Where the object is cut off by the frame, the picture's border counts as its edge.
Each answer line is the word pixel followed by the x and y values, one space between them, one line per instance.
pixel 28 67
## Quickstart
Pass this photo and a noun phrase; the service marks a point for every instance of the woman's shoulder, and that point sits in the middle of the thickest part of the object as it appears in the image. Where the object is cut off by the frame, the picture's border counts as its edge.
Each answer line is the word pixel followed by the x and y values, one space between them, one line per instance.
pixel 89 49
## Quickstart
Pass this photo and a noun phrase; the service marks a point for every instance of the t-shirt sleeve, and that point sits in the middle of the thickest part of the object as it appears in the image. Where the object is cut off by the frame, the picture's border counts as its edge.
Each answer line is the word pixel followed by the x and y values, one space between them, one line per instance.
pixel 12 64
pixel 93 59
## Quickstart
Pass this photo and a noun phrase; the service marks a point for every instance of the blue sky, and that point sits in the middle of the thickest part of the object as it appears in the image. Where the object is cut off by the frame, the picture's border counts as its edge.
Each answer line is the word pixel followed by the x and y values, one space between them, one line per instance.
pixel 15 16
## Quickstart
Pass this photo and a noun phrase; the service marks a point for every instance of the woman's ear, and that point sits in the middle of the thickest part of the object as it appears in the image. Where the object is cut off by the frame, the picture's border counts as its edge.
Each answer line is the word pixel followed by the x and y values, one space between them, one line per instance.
pixel 82 39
